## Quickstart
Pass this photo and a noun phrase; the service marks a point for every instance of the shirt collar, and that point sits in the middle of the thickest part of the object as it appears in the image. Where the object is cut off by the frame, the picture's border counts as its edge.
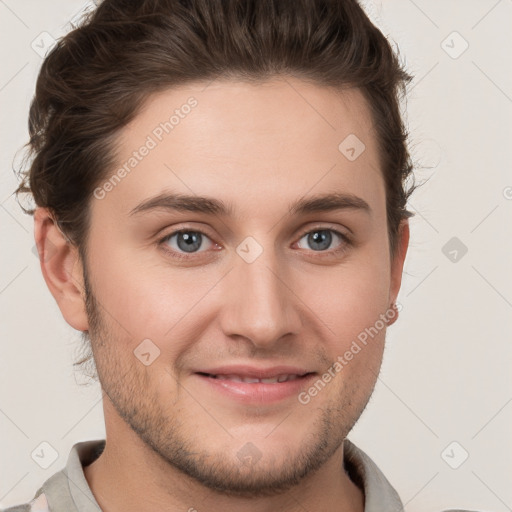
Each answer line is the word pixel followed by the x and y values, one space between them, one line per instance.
pixel 379 495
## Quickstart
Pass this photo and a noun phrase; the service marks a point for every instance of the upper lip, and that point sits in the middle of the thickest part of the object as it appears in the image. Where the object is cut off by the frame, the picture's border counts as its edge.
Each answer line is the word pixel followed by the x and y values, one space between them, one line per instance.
pixel 255 372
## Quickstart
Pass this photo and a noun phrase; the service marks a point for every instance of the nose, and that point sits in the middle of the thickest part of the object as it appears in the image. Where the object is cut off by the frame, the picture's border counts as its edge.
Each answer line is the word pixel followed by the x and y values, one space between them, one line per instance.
pixel 259 303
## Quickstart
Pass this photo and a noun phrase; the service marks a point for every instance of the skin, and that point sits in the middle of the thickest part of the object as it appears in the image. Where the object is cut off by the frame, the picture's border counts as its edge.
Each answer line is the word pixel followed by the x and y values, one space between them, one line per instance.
pixel 172 441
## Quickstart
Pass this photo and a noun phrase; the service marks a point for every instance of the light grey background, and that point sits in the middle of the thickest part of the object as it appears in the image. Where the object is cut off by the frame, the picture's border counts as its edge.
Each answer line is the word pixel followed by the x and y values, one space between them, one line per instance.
pixel 446 370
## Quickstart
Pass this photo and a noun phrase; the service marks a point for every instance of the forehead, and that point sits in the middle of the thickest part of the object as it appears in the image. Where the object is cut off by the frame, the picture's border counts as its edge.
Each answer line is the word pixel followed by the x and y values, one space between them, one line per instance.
pixel 249 141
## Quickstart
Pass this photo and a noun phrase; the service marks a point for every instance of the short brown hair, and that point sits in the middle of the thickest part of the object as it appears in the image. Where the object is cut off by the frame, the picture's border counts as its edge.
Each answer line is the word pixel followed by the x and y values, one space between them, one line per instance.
pixel 96 78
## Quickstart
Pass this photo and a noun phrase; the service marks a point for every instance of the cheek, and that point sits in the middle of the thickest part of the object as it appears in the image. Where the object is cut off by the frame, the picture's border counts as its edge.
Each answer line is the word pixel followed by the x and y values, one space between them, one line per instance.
pixel 351 300
pixel 350 297
pixel 143 300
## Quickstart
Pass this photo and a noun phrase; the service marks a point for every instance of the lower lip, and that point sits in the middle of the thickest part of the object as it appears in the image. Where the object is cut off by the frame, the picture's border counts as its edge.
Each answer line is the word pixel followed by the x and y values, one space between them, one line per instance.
pixel 257 392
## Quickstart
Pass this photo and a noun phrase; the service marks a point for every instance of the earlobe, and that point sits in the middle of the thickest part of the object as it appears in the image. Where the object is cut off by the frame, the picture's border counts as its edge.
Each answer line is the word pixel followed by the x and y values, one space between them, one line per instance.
pixel 397 266
pixel 62 269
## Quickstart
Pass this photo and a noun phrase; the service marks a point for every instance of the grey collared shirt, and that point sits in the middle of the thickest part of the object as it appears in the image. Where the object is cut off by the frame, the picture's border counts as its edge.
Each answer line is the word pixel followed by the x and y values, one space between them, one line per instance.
pixel 68 490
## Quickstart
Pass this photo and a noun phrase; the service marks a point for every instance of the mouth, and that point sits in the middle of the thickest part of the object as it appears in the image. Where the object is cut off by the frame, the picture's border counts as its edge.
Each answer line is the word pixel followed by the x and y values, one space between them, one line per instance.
pixel 285 377
pixel 248 389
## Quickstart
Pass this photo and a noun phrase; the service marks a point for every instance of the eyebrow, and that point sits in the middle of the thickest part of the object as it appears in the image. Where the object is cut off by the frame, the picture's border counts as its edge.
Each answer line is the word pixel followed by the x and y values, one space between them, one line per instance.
pixel 211 206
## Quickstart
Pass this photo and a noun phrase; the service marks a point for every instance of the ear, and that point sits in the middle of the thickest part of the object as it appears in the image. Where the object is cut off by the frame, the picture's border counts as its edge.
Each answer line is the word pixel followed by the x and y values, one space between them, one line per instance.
pixel 397 265
pixel 62 269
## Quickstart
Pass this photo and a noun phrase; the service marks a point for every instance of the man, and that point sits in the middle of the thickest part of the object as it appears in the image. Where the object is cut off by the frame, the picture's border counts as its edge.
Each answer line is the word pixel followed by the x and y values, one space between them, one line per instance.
pixel 221 210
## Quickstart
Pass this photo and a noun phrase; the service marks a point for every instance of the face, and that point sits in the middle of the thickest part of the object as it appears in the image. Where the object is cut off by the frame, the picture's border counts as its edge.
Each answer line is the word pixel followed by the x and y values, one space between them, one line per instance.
pixel 255 274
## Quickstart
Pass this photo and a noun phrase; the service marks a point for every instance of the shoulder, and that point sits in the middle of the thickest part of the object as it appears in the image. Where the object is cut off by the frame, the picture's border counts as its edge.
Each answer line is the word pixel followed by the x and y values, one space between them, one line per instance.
pixel 38 504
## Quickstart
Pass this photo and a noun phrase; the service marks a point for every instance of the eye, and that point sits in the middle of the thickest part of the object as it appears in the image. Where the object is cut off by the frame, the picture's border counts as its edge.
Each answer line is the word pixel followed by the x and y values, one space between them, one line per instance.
pixel 183 242
pixel 321 239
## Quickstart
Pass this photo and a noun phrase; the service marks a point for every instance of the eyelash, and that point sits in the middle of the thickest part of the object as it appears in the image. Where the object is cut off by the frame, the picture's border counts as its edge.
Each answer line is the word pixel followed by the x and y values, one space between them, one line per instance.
pixel 182 256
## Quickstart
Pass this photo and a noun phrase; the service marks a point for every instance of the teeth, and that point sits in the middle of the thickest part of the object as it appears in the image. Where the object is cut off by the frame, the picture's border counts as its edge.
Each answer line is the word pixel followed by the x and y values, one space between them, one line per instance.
pixel 287 377
pixel 236 378
pixel 253 380
pixel 250 380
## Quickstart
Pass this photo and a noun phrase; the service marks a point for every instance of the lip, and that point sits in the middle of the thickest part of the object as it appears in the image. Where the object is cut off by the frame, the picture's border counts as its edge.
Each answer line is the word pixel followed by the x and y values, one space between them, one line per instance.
pixel 258 393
